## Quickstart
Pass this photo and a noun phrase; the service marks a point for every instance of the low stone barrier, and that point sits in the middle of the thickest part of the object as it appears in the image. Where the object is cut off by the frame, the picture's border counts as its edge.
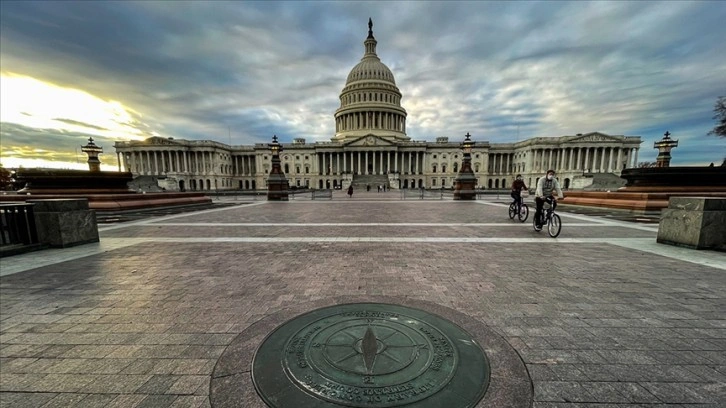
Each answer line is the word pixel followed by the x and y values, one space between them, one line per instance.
pixel 694 222
pixel 318 194
pixel 65 222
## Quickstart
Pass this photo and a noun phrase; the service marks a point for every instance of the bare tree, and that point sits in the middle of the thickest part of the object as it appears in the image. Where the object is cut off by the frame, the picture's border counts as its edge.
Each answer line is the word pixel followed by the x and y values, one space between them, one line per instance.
pixel 6 178
pixel 719 111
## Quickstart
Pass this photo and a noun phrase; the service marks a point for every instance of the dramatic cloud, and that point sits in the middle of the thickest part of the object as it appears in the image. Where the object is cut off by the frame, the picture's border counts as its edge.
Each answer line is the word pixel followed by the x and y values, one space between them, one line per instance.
pixel 238 72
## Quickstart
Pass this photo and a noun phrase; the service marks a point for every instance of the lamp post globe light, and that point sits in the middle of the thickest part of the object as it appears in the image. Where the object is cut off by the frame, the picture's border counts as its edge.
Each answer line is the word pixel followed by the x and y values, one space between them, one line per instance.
pixel 277 184
pixel 465 180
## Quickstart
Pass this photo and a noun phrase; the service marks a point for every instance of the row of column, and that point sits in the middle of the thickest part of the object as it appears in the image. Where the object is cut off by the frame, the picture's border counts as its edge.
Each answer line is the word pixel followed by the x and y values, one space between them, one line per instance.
pixel 160 162
pixel 370 162
pixel 370 120
pixel 592 159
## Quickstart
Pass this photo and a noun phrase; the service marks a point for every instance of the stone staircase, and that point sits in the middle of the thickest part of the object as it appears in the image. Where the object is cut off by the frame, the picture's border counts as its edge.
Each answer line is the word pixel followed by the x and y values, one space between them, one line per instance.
pixel 149 184
pixel 361 180
pixel 605 182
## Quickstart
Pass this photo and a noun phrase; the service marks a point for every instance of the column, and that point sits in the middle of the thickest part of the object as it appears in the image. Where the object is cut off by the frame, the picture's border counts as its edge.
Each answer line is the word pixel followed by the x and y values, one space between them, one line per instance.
pixel 395 159
pixel 610 160
pixel 635 161
pixel 549 160
pixel 586 164
pixel 602 161
pixel 620 160
pixel 373 161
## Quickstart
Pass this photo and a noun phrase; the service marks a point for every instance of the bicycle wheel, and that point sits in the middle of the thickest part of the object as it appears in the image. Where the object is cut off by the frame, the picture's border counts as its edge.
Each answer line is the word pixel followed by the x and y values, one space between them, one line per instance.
pixel 523 213
pixel 554 225
pixel 512 211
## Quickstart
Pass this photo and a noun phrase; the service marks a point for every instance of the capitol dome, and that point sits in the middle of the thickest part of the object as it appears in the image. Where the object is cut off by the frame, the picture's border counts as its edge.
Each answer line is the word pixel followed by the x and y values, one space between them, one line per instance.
pixel 370 102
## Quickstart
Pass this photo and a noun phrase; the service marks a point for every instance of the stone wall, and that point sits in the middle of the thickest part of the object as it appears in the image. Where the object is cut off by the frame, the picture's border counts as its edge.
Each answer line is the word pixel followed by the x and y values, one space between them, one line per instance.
pixel 694 222
pixel 65 222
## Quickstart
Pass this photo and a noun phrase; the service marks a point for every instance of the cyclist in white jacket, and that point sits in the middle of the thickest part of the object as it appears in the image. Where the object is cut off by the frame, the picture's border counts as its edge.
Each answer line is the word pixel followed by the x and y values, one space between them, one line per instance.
pixel 547 187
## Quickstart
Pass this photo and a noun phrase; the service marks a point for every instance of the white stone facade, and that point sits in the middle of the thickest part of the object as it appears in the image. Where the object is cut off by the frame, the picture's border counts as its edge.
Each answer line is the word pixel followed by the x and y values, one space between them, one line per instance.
pixel 371 140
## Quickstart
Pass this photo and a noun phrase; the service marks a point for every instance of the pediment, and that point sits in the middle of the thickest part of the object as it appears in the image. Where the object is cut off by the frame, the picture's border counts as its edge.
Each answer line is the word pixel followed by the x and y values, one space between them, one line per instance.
pixel 369 140
pixel 156 140
pixel 595 137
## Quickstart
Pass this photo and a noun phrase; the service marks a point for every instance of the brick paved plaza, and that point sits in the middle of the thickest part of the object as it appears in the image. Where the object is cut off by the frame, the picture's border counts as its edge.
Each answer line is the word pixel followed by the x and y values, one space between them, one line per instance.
pixel 601 316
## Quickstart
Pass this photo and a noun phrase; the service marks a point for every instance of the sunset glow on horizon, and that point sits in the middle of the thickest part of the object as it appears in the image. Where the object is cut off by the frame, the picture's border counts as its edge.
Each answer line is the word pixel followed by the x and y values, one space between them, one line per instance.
pixel 33 103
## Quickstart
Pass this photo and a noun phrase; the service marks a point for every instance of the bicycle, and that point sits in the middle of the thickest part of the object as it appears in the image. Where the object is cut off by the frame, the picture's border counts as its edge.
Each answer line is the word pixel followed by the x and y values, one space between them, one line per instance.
pixel 551 219
pixel 523 212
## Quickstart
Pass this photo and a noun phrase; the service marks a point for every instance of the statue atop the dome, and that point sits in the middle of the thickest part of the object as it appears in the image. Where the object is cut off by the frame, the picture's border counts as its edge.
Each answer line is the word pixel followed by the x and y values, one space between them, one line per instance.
pixel 370 27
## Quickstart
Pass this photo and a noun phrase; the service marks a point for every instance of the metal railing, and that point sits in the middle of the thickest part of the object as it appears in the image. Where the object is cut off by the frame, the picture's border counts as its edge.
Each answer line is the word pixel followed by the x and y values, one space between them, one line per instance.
pixel 17 224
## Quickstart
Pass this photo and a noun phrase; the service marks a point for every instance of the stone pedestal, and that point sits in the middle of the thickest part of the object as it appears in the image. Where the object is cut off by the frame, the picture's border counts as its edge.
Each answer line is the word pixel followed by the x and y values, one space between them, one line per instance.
pixel 65 222
pixel 694 222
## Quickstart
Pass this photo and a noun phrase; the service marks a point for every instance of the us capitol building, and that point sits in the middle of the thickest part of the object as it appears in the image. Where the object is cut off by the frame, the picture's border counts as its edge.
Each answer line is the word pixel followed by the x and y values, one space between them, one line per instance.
pixel 371 147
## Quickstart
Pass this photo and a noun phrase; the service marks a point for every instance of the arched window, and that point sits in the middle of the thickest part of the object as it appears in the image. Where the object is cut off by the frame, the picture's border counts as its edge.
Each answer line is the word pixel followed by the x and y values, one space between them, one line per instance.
pixel 456 167
pixel 443 168
pixel 287 168
pixel 434 169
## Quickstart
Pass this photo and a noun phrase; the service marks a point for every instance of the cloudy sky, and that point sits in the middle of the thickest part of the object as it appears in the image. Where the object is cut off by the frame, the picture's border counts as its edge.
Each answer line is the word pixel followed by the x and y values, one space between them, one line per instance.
pixel 242 71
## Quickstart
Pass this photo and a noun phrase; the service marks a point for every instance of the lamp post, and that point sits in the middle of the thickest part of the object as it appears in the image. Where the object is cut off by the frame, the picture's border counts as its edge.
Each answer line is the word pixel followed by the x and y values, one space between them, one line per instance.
pixel 92 150
pixel 664 147
pixel 277 185
pixel 465 181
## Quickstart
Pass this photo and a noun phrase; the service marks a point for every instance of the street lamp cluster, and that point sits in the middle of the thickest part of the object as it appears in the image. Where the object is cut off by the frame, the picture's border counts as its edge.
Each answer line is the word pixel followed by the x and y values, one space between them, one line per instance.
pixel 465 183
pixel 277 184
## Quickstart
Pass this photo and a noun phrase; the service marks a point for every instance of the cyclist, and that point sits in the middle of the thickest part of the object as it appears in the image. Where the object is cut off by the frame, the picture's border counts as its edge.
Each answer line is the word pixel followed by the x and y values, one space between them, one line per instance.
pixel 517 187
pixel 547 187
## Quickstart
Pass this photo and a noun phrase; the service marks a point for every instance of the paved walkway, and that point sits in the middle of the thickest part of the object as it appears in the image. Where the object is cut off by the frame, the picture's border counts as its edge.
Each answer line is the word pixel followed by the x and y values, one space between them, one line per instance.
pixel 602 316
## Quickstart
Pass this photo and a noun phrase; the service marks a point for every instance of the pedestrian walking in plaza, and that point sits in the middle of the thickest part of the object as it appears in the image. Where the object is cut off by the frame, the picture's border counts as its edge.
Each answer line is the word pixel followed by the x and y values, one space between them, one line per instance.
pixel 350 191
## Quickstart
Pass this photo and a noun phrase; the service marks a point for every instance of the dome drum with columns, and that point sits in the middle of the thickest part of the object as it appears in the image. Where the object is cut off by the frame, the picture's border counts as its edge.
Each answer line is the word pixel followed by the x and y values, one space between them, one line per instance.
pixel 371 147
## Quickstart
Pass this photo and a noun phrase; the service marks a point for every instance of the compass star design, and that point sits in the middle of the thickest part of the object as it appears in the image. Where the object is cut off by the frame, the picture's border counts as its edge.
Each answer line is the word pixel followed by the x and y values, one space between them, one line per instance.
pixel 351 351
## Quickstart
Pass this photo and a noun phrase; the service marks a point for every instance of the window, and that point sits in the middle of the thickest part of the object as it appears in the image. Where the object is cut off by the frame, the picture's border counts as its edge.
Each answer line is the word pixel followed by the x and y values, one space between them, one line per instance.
pixel 434 168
